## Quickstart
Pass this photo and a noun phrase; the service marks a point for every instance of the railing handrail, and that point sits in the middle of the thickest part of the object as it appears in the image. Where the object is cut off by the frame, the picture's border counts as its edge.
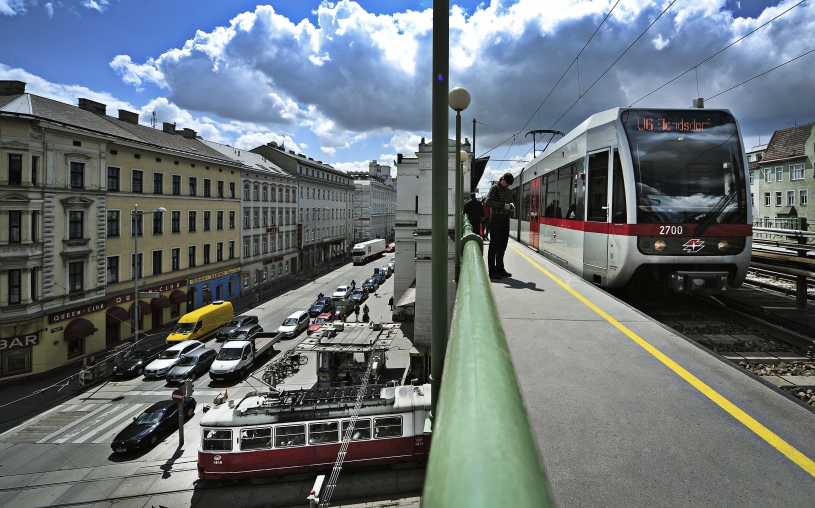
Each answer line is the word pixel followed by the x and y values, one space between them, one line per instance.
pixel 483 451
pixel 784 232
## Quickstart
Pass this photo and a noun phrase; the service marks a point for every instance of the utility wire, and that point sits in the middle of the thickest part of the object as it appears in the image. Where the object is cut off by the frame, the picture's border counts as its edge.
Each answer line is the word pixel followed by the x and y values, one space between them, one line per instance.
pixel 763 73
pixel 717 53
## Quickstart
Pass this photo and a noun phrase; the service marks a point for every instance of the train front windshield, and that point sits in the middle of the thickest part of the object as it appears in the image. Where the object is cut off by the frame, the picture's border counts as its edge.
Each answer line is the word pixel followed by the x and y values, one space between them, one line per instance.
pixel 688 167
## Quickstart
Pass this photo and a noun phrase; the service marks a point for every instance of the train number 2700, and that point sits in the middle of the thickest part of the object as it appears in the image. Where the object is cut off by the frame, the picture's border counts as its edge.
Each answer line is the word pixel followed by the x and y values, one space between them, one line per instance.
pixel 670 230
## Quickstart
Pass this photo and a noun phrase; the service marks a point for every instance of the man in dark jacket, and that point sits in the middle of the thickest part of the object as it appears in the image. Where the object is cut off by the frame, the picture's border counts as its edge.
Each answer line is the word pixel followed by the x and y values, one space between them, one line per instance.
pixel 499 199
pixel 475 213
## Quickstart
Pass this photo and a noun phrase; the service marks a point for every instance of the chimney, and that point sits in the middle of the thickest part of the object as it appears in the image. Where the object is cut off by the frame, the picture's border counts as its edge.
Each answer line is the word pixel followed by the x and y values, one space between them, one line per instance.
pixel 169 128
pixel 189 133
pixel 128 116
pixel 11 87
pixel 93 106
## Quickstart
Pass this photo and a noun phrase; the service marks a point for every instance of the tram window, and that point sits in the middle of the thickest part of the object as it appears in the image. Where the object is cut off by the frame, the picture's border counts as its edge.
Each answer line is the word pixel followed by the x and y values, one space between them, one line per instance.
pixel 362 429
pixel 565 185
pixel 217 440
pixel 323 433
pixel 388 427
pixel 293 435
pixel 548 193
pixel 525 202
pixel 256 439
pixel 618 208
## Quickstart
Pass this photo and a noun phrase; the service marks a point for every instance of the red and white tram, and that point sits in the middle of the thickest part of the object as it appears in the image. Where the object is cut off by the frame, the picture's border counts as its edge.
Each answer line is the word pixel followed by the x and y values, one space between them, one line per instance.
pixel 302 430
pixel 653 195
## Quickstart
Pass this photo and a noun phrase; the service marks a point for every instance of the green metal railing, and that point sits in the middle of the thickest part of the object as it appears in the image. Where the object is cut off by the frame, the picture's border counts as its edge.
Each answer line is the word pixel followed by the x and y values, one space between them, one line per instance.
pixel 483 451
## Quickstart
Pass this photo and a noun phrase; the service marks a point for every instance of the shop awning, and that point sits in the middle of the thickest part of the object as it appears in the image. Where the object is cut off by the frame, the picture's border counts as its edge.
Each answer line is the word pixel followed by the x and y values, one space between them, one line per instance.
pixel 162 302
pixel 117 315
pixel 78 328
pixel 144 308
pixel 178 296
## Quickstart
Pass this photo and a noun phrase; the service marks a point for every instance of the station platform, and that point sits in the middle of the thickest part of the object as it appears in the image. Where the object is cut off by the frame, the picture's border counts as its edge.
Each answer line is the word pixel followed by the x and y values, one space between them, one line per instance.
pixel 629 413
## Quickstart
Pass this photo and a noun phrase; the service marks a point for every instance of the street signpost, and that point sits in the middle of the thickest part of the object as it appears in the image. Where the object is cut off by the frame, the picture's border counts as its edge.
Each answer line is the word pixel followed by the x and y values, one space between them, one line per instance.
pixel 178 396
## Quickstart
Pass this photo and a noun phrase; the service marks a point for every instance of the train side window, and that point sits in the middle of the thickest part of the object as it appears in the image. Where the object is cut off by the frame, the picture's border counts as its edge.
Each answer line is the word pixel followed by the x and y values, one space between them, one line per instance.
pixel 326 432
pixel 618 208
pixel 548 192
pixel 597 192
pixel 292 435
pixel 525 209
pixel 388 427
pixel 217 440
pixel 362 429
pixel 256 439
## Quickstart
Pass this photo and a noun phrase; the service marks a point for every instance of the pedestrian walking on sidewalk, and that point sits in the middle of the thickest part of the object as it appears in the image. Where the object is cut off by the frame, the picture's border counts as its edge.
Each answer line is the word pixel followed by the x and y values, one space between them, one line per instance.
pixel 390 302
pixel 499 199
pixel 475 213
pixel 356 312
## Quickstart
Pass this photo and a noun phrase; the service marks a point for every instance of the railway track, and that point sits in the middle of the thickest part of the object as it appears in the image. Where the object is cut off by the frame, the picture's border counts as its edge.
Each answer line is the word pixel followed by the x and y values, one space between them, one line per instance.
pixel 776 282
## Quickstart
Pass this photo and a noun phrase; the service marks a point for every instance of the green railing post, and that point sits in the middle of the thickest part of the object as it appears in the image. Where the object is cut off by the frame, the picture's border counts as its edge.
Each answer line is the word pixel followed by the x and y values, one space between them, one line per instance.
pixel 483 451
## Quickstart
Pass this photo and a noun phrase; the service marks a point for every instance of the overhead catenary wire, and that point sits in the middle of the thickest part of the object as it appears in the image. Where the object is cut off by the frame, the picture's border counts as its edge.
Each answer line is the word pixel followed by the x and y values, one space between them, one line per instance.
pixel 763 73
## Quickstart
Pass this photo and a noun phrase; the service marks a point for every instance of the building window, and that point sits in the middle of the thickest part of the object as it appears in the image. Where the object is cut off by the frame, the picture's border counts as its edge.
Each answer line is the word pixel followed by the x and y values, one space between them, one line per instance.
pixel 803 197
pixel 113 179
pixel 246 193
pixel 34 284
pixel 136 224
pixel 207 259
pixel 35 226
pixel 231 249
pixel 246 247
pixel 158 183
pixel 193 186
pixel 232 219
pixel 133 265
pixel 751 178
pixel 113 269
pixel 256 193
pixel 191 221
pixel 75 276
pixel 220 189
pixel 767 199
pixel 219 251
pixel 176 185
pixel 175 221
pixel 207 186
pixel 796 171
pixel 113 223
pixel 256 219
pixel 752 200
pixel 191 255
pixel 206 220
pixel 265 245
pixel 15 226
pixel 778 198
pixel 265 193
pixel 157 262
pixel 265 217
pixel 175 259
pixel 790 198
pixel 246 218
pixel 138 181
pixel 158 223
pixel 768 176
pixel 77 175
pixel 15 169
pixel 779 174
pixel 232 190
pixel 15 286
pixel 219 220
pixel 256 246
pixel 75 220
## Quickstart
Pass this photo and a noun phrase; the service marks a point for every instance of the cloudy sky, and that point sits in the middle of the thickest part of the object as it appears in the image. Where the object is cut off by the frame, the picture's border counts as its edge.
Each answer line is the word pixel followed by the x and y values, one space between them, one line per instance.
pixel 349 81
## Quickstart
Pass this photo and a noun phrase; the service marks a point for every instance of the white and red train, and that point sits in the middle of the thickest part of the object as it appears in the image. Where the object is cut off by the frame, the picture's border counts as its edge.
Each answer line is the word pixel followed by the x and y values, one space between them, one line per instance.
pixel 302 430
pixel 657 196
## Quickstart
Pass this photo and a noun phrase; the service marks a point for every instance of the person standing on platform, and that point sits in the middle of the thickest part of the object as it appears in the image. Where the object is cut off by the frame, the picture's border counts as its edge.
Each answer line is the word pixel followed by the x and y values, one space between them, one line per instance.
pixel 485 229
pixel 390 302
pixel 475 213
pixel 499 199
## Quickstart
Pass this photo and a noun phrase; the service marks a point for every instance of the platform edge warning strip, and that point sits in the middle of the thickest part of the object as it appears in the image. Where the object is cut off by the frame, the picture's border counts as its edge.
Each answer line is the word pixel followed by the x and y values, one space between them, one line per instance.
pixel 748 421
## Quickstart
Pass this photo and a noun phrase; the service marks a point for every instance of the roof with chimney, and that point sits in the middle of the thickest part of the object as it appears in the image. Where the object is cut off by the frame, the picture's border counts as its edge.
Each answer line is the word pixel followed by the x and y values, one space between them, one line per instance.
pixel 787 144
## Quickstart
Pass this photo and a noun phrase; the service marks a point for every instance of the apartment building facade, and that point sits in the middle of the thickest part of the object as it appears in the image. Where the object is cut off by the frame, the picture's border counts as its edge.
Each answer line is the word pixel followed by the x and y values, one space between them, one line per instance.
pixel 374 210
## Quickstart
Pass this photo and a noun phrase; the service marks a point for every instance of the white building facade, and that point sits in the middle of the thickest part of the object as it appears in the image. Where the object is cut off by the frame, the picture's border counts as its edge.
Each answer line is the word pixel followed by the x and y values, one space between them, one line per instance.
pixel 374 205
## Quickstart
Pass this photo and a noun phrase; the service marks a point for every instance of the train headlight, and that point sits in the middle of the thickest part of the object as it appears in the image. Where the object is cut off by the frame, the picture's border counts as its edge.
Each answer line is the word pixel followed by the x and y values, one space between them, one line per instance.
pixel 660 245
pixel 723 245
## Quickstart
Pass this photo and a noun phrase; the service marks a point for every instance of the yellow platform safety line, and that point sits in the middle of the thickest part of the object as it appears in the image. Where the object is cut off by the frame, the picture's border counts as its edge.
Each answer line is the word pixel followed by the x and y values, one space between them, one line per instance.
pixel 748 421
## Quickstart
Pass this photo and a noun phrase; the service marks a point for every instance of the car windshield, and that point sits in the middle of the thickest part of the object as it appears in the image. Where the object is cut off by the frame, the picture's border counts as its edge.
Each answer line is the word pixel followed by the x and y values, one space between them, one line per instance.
pixel 238 335
pixel 169 354
pixel 184 327
pixel 149 418
pixel 229 354
pixel 137 355
pixel 319 321
pixel 358 291
pixel 187 361
pixel 232 324
pixel 290 321
pixel 341 289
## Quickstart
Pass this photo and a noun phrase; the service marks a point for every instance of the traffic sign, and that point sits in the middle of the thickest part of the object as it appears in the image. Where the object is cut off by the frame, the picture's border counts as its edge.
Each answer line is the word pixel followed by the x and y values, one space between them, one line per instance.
pixel 178 396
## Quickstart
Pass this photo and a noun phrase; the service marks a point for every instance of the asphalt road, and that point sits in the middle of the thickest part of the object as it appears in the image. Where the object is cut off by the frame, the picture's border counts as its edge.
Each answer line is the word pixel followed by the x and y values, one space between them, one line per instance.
pixel 61 455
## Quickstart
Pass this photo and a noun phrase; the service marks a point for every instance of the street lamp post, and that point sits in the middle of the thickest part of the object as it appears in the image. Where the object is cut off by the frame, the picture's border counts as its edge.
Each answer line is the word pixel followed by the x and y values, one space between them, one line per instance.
pixel 134 221
pixel 458 99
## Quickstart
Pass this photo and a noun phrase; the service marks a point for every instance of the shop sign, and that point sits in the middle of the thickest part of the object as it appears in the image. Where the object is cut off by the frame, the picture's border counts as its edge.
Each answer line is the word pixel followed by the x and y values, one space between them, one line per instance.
pixel 57 329
pixel 158 289
pixel 70 314
pixel 213 275
pixel 299 236
pixel 20 342
pixel 273 229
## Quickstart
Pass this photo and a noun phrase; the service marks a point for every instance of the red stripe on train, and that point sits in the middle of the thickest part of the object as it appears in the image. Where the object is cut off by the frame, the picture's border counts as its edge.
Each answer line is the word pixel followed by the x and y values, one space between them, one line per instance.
pixel 649 229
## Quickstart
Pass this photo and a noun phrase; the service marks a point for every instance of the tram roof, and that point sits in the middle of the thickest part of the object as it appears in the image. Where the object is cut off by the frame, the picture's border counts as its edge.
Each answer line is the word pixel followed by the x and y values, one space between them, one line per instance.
pixel 316 404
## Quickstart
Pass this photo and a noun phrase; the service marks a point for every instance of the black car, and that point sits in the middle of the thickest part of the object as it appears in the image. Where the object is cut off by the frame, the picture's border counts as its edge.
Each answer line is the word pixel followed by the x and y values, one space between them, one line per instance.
pixel 233 325
pixel 195 363
pixel 134 363
pixel 247 332
pixel 155 422
pixel 321 306
pixel 359 295
pixel 371 285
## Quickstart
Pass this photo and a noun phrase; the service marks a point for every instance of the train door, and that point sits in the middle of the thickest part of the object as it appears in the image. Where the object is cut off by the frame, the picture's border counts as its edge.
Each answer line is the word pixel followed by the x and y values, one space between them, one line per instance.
pixel 534 214
pixel 619 217
pixel 595 237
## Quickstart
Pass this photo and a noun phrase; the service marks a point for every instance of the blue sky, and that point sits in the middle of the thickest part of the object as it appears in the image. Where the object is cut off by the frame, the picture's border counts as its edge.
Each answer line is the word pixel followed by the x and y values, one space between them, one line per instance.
pixel 348 82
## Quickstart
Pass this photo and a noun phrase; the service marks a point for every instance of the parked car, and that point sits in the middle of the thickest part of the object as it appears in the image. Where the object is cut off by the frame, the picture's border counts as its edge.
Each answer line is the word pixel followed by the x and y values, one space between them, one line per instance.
pixel 233 325
pixel 194 363
pixel 386 270
pixel 392 266
pixel 294 324
pixel 359 295
pixel 247 332
pixel 321 306
pixel 139 357
pixel 169 357
pixel 342 293
pixel 321 320
pixel 391 247
pixel 379 277
pixel 371 285
pixel 156 421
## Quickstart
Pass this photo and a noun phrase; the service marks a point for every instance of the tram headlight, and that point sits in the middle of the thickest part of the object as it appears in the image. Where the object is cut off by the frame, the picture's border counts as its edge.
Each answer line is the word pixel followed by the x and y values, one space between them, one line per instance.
pixel 660 245
pixel 723 245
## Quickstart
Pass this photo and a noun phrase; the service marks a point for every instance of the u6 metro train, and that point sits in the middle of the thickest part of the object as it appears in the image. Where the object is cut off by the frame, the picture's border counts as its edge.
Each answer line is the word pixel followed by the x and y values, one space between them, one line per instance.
pixel 657 196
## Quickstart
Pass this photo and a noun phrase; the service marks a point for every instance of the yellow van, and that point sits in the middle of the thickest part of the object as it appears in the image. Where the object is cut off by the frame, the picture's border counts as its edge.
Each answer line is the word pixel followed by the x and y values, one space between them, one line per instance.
pixel 201 323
